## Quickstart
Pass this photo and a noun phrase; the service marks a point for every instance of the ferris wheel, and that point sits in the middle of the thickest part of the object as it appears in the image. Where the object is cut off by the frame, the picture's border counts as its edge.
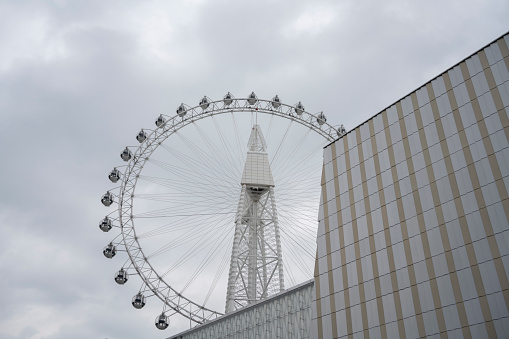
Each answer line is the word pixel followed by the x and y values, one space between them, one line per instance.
pixel 186 204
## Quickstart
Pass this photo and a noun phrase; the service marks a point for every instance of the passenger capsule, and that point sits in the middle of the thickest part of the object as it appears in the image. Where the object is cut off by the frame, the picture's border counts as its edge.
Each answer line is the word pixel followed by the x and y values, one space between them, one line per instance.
pixel 126 154
pixel 160 121
pixel 299 108
pixel 107 199
pixel 138 301
pixel 121 277
pixel 105 224
pixel 162 322
pixel 109 251
pixel 276 102
pixel 142 136
pixel 341 131
pixel 228 99
pixel 204 103
pixel 252 99
pixel 321 119
pixel 181 110
pixel 114 175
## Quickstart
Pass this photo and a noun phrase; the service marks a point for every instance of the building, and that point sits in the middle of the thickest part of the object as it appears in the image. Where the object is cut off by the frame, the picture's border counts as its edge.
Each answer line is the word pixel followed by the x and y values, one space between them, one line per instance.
pixel 413 236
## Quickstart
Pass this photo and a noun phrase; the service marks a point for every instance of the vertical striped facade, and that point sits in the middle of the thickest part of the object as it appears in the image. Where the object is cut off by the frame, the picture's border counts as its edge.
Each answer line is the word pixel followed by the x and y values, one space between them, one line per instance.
pixel 413 235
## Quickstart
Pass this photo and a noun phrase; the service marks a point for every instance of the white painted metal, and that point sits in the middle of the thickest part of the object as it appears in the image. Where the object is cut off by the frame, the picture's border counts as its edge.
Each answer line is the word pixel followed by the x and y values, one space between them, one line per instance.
pixel 136 160
pixel 256 267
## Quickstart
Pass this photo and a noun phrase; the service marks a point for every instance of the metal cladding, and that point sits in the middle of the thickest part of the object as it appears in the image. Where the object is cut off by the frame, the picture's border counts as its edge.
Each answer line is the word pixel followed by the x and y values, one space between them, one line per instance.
pixel 228 99
pixel 109 251
pixel 413 227
pixel 162 322
pixel 181 110
pixel 204 103
pixel 126 154
pixel 114 175
pixel 142 136
pixel 138 301
pixel 105 224
pixel 121 277
pixel 107 199
pixel 252 98
pixel 276 102
pixel 160 121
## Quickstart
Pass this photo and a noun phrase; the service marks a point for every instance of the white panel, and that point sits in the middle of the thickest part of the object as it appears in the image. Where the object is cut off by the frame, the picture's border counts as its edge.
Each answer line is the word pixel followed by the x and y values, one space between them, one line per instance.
pixel 416 248
pixel 454 233
pixel 422 96
pixel 425 296
pixel 407 106
pixel 440 265
pixel 430 322
pixel 460 257
pixel 364 128
pixel 337 278
pixel 407 305
pixel 411 330
pixel 438 86
pixel 467 284
pixel 497 305
pixel 421 271
pixel 389 308
pixel 502 327
pixel 341 323
pixel 356 318
pixel 445 290
pixel 479 331
pixel 392 115
pixel 467 116
pixel 489 277
pixel 435 241
pixel 403 278
pixel 452 320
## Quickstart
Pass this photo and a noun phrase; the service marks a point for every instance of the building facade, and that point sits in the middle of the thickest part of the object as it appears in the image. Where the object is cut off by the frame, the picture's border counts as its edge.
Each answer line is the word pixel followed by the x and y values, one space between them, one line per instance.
pixel 413 235
pixel 285 315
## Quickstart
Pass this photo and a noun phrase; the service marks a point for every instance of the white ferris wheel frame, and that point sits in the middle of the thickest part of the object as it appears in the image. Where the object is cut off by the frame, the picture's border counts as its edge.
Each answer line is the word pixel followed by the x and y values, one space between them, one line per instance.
pixel 156 283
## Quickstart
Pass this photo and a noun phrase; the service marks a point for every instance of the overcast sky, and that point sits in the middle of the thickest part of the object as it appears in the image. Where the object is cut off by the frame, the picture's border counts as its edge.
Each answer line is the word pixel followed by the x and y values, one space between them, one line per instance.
pixel 79 78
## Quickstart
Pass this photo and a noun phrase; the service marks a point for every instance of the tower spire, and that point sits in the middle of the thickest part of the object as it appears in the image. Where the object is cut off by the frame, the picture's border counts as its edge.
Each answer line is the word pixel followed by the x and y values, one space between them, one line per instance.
pixel 256 267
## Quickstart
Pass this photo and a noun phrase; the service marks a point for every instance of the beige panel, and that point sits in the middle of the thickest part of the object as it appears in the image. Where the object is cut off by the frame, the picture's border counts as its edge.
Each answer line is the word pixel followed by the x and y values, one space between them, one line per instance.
pixel 360 275
pixel 484 215
pixel 404 231
pixel 418 207
pixel 374 259
pixel 458 204
pixel 495 252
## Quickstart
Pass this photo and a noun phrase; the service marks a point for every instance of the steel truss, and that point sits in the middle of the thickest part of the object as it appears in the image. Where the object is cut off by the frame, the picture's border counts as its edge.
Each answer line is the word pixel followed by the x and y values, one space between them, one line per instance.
pixel 174 301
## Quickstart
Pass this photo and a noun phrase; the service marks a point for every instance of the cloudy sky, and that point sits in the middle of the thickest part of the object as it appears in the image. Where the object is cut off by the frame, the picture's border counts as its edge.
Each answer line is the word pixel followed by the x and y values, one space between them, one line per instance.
pixel 79 78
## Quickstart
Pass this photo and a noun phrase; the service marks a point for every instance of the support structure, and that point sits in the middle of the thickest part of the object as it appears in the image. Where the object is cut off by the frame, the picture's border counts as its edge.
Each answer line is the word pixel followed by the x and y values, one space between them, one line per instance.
pixel 256 267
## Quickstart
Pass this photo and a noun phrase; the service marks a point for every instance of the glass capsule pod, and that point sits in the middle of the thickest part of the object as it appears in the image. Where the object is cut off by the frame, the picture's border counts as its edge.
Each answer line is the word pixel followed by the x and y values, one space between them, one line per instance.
pixel 142 136
pixel 321 119
pixel 121 277
pixel 107 199
pixel 276 102
pixel 181 110
pixel 160 121
pixel 341 130
pixel 252 99
pixel 114 175
pixel 299 108
pixel 228 99
pixel 204 103
pixel 109 251
pixel 139 301
pixel 162 322
pixel 105 224
pixel 126 154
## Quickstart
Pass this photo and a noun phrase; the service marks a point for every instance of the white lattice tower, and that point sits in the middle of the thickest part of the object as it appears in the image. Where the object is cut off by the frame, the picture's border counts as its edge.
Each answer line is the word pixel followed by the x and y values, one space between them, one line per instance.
pixel 256 267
